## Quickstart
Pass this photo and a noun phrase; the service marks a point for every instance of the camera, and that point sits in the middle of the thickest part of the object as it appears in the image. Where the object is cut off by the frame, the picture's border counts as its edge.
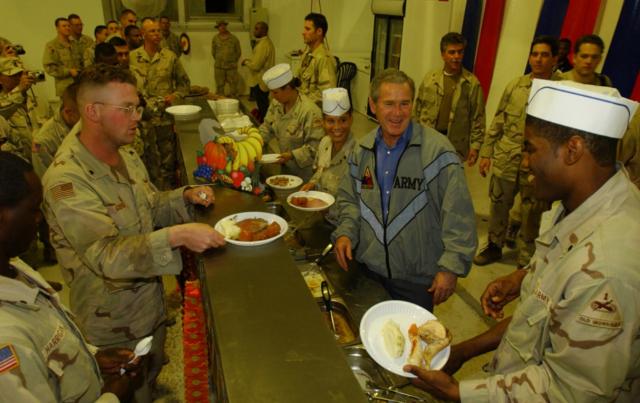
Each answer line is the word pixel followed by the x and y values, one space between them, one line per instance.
pixel 19 49
pixel 37 75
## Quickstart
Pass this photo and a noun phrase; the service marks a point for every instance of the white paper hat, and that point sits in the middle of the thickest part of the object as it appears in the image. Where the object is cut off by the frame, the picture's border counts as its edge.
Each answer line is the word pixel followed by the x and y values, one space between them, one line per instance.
pixel 278 76
pixel 335 101
pixel 589 108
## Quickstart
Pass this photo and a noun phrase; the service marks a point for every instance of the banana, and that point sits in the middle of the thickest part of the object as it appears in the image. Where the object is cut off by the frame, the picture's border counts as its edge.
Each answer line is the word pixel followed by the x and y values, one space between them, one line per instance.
pixel 255 146
pixel 235 165
pixel 253 152
pixel 225 140
pixel 228 167
pixel 254 133
pixel 243 155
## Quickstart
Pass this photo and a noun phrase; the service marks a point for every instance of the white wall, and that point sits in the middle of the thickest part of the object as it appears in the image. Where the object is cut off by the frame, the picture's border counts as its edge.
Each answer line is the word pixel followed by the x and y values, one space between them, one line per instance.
pixel 31 24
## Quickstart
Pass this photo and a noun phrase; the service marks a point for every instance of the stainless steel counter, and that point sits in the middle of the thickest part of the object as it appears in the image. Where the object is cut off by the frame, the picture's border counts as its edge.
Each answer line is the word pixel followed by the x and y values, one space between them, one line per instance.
pixel 269 341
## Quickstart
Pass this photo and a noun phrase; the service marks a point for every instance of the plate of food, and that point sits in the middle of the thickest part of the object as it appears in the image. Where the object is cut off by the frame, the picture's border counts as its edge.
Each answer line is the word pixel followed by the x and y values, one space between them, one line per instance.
pixel 269 158
pixel 311 200
pixel 184 112
pixel 284 182
pixel 251 228
pixel 396 333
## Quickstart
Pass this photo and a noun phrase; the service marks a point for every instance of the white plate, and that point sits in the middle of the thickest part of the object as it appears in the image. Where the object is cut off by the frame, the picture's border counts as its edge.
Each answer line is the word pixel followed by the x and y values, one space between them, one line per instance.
pixel 184 111
pixel 269 158
pixel 254 214
pixel 294 182
pixel 404 314
pixel 325 197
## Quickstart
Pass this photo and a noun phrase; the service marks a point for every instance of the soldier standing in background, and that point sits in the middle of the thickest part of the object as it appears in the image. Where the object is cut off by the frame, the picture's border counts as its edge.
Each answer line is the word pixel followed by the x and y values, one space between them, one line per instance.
pixel 263 58
pixel 225 49
pixel 586 59
pixel 103 212
pixel 169 39
pixel 79 42
pixel 450 100
pixel 162 82
pixel 502 153
pixel 100 33
pixel 317 70
pixel 60 60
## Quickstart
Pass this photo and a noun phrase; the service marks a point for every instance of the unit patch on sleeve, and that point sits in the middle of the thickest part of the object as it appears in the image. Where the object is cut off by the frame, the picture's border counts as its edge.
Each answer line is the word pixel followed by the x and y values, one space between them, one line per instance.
pixel 367 179
pixel 8 358
pixel 602 311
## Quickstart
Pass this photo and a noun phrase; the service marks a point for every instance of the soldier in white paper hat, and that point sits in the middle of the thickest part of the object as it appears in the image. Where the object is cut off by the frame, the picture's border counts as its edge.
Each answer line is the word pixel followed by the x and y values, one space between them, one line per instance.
pixel 292 127
pixel 578 298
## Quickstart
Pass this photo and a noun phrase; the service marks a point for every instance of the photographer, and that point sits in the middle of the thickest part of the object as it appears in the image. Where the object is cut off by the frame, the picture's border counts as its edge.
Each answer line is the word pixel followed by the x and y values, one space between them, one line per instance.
pixel 15 105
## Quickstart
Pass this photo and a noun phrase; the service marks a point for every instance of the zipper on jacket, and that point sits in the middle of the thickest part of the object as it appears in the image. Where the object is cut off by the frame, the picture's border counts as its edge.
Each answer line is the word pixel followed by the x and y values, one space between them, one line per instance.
pixel 386 216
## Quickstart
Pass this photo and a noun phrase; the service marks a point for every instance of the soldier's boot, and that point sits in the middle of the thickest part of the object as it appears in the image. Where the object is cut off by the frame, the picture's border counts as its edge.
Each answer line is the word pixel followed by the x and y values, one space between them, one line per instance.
pixel 511 234
pixel 492 253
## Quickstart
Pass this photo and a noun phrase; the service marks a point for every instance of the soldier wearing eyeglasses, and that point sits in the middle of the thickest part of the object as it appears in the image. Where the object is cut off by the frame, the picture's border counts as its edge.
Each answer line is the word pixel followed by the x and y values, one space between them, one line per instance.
pixel 103 212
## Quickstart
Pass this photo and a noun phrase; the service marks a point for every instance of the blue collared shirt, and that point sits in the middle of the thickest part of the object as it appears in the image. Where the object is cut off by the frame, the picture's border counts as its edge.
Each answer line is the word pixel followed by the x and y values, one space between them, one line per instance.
pixel 387 159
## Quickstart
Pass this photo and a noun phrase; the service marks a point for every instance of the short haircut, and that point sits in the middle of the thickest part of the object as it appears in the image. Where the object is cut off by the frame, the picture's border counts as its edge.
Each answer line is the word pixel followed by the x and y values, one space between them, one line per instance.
pixel 117 41
pixel 69 96
pixel 128 29
pixel 452 38
pixel 127 11
pixel 147 19
pixel 393 76
pixel 100 75
pixel 592 39
pixel 59 20
pixel 163 17
pixel 263 25
pixel 603 149
pixel 319 21
pixel 98 29
pixel 13 184
pixel 112 22
pixel 73 17
pixel 549 40
pixel 104 51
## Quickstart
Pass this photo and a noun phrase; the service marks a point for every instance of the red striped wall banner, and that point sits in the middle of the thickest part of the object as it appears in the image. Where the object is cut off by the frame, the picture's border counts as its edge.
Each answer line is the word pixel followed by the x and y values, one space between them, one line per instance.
pixel 635 94
pixel 580 19
pixel 488 43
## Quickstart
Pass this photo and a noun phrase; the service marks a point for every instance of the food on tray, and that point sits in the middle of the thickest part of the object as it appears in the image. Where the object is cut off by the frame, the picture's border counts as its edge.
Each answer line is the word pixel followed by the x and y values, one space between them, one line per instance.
pixel 435 335
pixel 250 229
pixel 279 181
pixel 308 202
pixel 394 341
pixel 343 330
pixel 314 281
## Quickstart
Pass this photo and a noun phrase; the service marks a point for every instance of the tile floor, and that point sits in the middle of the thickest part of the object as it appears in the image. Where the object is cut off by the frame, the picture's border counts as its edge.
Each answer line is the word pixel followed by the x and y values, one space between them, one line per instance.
pixel 461 313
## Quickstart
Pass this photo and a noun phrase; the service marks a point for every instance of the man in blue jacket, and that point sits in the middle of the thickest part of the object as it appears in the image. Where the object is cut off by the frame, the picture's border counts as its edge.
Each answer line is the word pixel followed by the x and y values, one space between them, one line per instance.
pixel 405 207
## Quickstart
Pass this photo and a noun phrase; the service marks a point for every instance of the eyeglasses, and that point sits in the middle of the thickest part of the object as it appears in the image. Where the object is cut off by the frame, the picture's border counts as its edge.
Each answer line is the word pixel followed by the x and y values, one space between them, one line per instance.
pixel 130 110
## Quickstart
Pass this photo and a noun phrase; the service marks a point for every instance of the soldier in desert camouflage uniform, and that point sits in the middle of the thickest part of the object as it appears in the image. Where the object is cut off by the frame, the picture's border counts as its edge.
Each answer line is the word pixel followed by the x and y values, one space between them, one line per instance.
pixel 163 82
pixel 16 106
pixel 44 357
pixel 575 335
pixel 103 211
pixel 60 60
pixel 317 70
pixel 293 124
pixel 225 49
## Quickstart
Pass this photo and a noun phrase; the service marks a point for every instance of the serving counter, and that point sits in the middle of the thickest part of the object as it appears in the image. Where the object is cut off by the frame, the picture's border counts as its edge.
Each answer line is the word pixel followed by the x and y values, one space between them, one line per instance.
pixel 268 340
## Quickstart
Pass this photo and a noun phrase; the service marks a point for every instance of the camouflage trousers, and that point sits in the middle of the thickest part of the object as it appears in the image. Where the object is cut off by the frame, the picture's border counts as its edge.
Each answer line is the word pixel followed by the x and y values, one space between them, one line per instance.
pixel 152 363
pixel 160 153
pixel 227 76
pixel 502 193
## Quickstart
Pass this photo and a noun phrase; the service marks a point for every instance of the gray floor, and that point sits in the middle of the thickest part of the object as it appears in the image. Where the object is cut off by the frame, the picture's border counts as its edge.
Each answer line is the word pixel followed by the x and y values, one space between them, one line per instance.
pixel 461 313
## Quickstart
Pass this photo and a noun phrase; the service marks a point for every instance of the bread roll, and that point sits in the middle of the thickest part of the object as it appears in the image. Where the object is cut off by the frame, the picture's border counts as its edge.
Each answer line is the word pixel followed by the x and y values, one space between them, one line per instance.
pixel 394 341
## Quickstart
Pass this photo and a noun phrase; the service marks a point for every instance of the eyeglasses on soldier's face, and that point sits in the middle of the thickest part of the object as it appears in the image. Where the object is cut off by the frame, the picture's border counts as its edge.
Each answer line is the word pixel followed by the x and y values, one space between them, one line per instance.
pixel 131 110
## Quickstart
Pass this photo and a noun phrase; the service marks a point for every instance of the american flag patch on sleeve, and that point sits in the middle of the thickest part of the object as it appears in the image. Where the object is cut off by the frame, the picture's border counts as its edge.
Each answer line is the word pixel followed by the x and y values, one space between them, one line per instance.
pixel 8 358
pixel 62 191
